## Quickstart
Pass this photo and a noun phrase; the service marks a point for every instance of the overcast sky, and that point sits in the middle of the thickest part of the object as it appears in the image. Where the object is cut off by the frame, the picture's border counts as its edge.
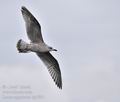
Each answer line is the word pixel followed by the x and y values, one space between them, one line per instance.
pixel 86 34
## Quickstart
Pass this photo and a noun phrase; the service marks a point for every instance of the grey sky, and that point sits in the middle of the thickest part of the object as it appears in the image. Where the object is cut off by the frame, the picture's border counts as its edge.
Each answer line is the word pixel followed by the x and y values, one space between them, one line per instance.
pixel 87 36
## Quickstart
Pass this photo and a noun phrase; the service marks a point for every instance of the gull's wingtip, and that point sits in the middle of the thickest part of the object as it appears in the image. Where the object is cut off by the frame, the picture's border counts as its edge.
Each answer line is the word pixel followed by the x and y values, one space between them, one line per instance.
pixel 23 7
pixel 60 87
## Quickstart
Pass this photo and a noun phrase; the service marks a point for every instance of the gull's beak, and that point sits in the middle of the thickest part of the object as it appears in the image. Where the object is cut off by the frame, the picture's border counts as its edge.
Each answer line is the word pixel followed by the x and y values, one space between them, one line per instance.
pixel 54 50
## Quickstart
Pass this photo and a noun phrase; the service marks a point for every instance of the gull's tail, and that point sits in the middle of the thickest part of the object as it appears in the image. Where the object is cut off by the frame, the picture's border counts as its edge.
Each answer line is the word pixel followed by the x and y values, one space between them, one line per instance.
pixel 22 46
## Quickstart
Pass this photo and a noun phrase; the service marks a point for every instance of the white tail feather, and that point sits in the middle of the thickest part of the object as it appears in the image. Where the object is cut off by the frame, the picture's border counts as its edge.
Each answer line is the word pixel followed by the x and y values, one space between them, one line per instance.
pixel 22 46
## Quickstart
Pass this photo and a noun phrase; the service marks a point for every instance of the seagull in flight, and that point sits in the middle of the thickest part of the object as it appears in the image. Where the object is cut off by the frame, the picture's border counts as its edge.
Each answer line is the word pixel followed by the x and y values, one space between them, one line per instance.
pixel 38 46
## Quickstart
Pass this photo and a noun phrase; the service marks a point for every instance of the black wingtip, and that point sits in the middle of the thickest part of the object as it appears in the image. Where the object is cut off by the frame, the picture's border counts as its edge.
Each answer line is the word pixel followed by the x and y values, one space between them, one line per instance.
pixel 60 86
pixel 58 82
pixel 23 8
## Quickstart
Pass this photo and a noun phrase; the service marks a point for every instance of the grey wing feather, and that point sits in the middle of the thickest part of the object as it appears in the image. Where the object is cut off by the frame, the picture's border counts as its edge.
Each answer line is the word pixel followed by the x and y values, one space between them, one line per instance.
pixel 32 26
pixel 53 67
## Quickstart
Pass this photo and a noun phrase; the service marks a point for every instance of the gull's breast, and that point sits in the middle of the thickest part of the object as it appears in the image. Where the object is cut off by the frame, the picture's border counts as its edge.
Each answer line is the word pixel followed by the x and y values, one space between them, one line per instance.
pixel 37 47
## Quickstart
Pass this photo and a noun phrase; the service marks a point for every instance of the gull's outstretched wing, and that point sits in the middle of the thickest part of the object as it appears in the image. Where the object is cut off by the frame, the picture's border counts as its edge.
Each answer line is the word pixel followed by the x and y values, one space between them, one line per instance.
pixel 53 67
pixel 32 26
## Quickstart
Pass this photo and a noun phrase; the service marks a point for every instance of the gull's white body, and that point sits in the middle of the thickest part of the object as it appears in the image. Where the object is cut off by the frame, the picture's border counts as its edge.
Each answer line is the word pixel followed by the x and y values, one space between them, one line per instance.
pixel 33 47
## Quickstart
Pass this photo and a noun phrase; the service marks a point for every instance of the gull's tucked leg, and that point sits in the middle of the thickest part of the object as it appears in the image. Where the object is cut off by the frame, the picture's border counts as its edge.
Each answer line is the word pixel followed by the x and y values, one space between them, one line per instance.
pixel 22 46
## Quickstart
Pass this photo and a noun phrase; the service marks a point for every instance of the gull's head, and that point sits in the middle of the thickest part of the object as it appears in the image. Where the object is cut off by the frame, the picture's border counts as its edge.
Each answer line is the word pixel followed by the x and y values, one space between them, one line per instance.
pixel 51 49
